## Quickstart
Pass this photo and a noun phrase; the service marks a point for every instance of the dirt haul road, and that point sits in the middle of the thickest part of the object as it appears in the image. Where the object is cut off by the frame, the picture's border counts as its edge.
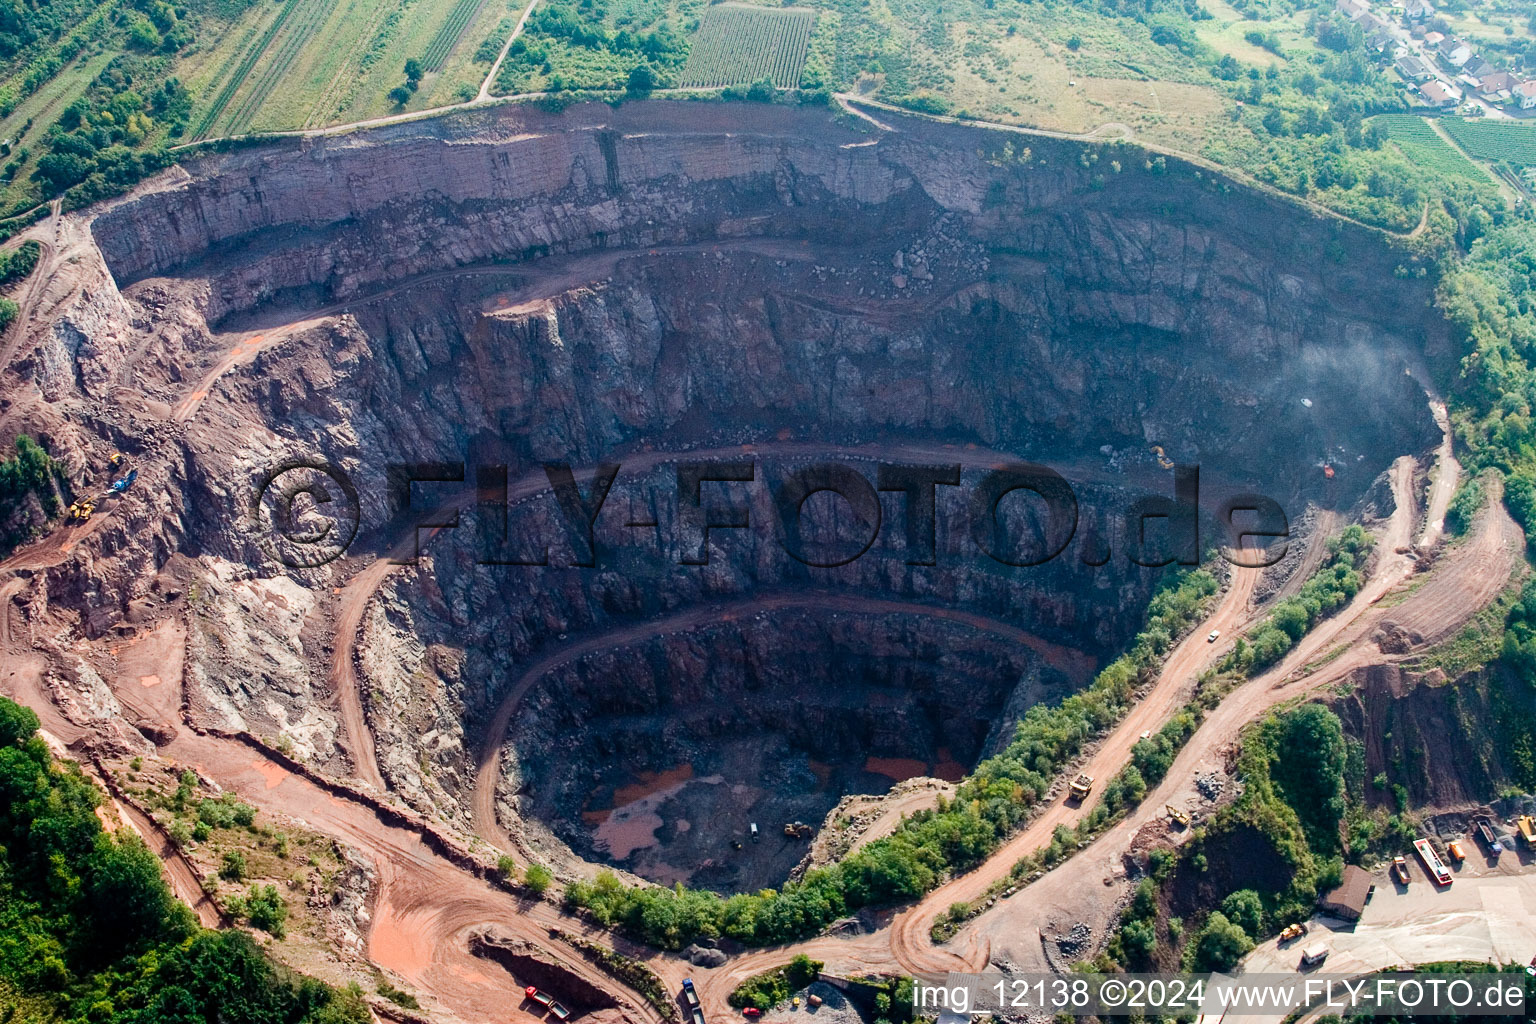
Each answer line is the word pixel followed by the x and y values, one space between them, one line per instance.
pixel 426 906
pixel 1468 576
pixel 363 585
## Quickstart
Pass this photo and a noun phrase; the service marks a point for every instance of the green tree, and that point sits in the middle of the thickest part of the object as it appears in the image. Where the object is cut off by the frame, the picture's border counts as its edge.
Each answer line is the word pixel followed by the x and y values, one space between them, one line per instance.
pixel 641 81
pixel 265 909
pixel 16 722
pixel 1220 944
pixel 1139 939
pixel 1245 909
pixel 127 900
pixel 1307 767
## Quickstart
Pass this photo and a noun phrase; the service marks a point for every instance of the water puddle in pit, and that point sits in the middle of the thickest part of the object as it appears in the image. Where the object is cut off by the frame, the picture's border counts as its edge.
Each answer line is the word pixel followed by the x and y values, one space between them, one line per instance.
pixel 899 769
pixel 632 822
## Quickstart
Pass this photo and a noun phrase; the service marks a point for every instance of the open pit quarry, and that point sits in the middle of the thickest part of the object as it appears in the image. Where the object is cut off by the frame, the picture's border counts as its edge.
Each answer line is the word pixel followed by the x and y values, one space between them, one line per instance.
pixel 693 305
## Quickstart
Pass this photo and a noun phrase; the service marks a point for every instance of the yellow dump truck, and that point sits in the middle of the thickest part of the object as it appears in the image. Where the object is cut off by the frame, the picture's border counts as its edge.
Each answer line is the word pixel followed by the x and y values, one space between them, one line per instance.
pixel 1080 787
pixel 1527 828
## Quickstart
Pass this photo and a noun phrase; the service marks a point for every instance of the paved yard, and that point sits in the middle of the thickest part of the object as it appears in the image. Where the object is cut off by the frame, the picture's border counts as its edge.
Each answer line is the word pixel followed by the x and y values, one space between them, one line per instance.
pixel 1488 913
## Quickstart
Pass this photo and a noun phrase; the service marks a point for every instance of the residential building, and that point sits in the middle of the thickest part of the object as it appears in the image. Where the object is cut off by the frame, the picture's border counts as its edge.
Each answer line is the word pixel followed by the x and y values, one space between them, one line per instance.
pixel 1352 9
pixel 1526 92
pixel 1477 67
pixel 1499 85
pixel 1437 94
pixel 1453 52
pixel 1418 11
pixel 1413 69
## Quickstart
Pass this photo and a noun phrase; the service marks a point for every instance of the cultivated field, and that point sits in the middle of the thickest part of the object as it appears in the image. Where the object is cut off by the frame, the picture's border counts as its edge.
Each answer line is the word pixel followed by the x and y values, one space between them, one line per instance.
pixel 740 43
pixel 1418 141
pixel 310 63
pixel 1494 140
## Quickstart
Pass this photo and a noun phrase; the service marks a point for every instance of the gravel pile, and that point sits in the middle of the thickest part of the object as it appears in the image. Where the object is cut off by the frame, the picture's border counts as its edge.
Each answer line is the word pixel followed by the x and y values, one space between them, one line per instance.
pixel 834 1009
pixel 1075 943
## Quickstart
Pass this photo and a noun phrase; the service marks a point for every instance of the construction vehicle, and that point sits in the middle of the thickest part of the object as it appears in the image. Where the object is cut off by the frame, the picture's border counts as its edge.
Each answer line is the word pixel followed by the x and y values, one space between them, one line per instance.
pixel 798 830
pixel 1526 826
pixel 119 486
pixel 1080 788
pixel 559 1011
pixel 1292 931
pixel 690 994
pixel 1179 815
pixel 1432 862
pixel 1400 870
pixel 116 460
pixel 80 511
pixel 1314 955
pixel 1484 830
pixel 1457 854
pixel 753 830
pixel 542 999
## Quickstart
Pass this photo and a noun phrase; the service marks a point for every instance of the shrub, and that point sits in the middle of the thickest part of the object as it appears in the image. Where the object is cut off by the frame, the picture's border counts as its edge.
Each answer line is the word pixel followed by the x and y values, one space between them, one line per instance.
pixel 766 991
pixel 233 869
pixel 1469 498
pixel 537 878
pixel 265 909
pixel 225 811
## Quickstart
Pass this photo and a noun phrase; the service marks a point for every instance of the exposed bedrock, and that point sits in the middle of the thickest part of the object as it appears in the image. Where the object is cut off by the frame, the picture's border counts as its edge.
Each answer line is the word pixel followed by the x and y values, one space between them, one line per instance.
pixel 663 282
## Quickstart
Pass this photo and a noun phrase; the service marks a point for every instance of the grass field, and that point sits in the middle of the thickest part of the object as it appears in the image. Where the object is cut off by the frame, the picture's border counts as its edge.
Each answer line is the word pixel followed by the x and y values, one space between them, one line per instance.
pixel 1418 141
pixel 1494 140
pixel 1116 74
pixel 740 43
pixel 1227 30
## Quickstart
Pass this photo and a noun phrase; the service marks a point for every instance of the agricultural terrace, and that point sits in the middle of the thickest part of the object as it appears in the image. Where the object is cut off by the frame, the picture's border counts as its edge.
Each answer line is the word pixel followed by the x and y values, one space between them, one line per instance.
pixel 311 63
pixel 597 44
pixel 742 43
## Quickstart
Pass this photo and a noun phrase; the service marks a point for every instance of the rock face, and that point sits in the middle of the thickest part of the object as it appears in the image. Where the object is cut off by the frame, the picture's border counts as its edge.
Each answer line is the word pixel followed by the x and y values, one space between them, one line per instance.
pixel 481 296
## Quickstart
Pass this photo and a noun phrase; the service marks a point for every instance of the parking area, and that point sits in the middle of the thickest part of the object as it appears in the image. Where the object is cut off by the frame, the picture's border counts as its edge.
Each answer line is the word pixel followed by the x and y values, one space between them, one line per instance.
pixel 1487 913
